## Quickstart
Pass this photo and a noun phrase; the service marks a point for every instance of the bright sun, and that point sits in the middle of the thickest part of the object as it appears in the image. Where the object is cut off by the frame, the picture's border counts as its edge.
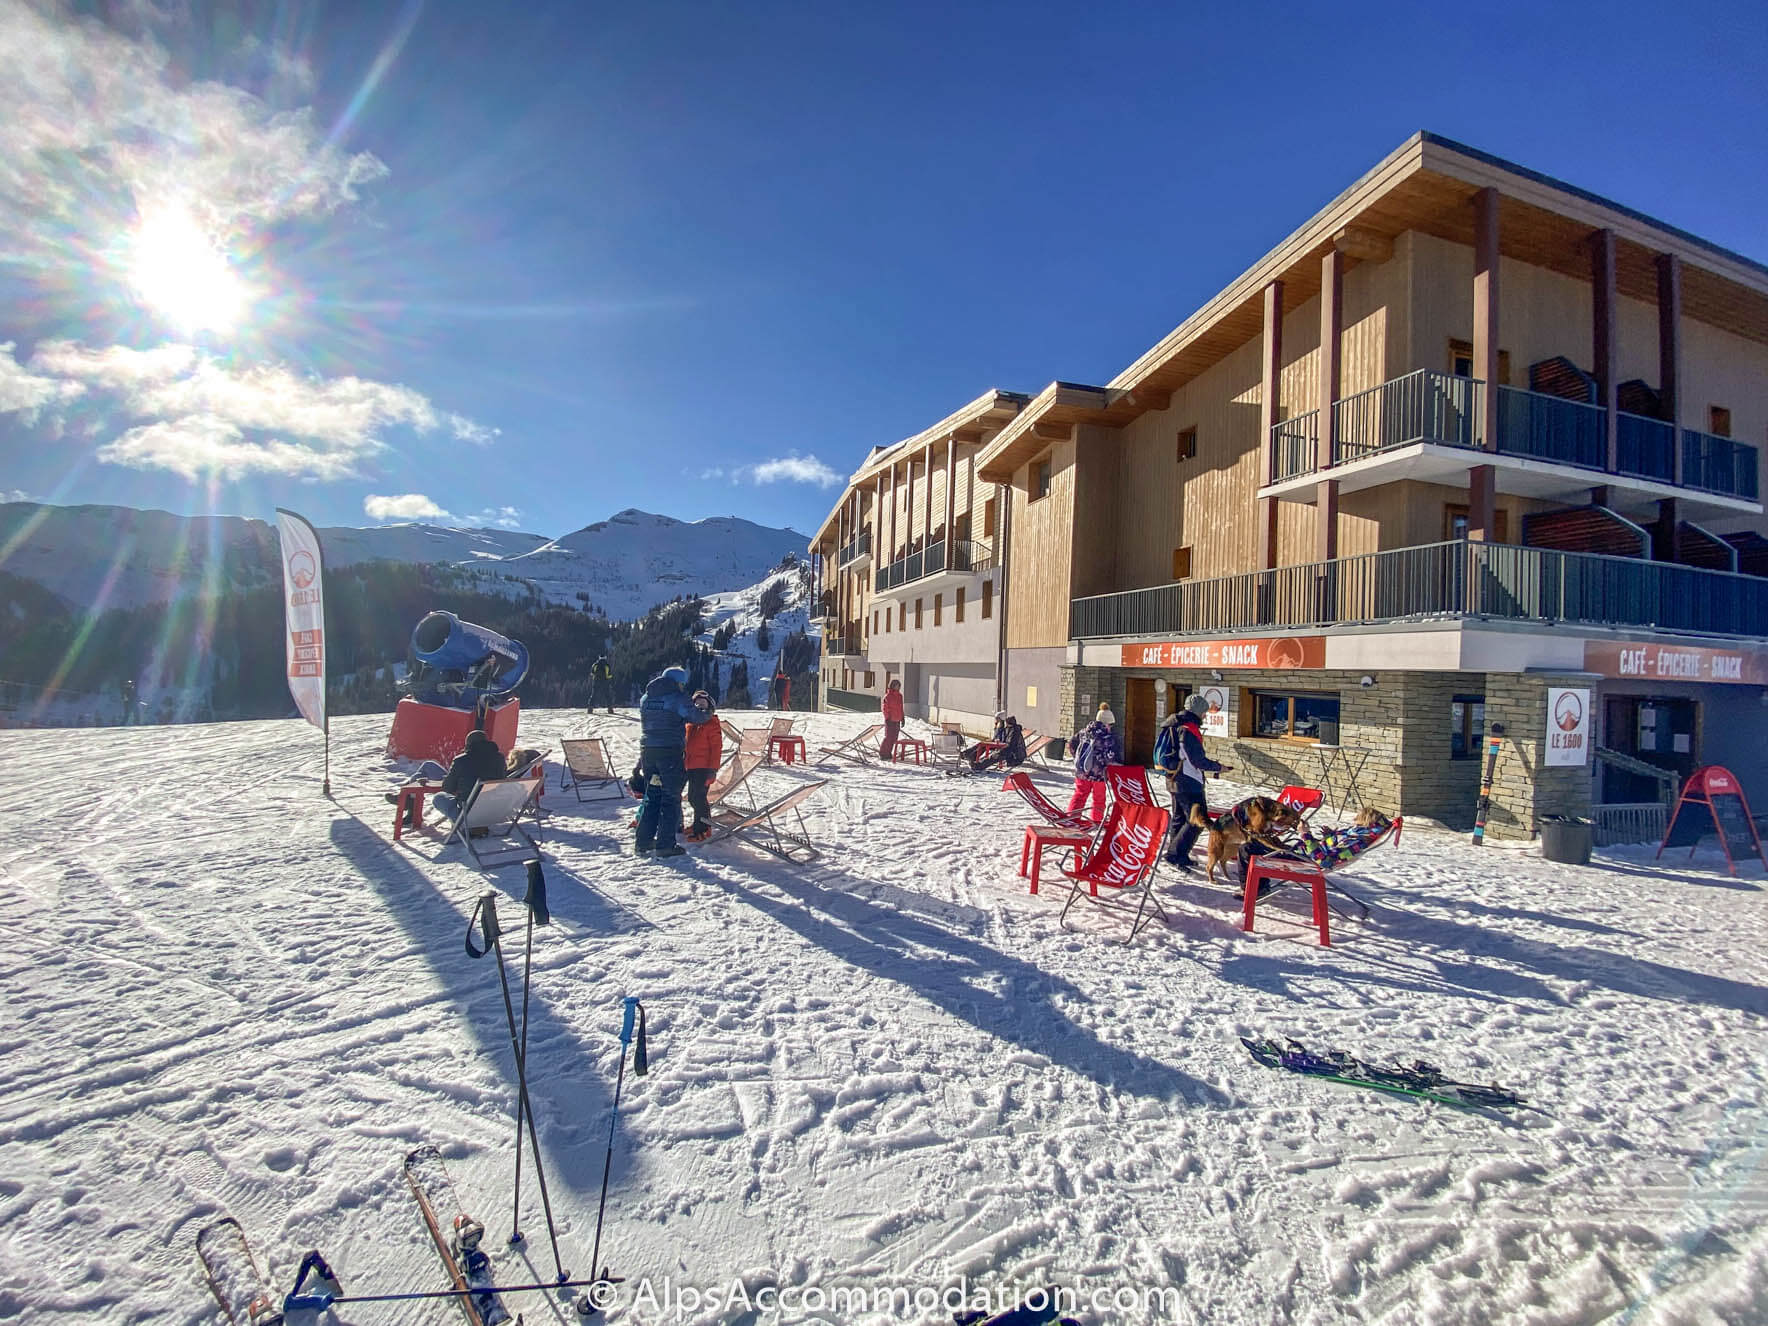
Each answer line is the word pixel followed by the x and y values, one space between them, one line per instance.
pixel 179 273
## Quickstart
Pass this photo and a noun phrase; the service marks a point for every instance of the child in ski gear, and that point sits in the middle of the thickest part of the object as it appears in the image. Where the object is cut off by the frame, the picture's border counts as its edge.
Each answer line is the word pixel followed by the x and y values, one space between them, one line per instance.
pixel 601 678
pixel 1328 848
pixel 1095 750
pixel 701 755
pixel 892 708
pixel 1179 753
pixel 663 715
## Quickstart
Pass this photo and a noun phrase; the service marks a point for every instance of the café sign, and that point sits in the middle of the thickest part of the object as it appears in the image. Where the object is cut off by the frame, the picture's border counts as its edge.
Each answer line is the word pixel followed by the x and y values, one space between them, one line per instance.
pixel 1284 651
pixel 1651 662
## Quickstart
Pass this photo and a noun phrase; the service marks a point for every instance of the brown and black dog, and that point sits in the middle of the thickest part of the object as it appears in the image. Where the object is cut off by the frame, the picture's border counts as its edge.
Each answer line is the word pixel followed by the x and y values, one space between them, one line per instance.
pixel 1259 818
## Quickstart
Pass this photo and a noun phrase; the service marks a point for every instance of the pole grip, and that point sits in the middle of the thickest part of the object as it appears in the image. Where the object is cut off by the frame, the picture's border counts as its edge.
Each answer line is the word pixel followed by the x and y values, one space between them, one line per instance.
pixel 628 1014
pixel 484 916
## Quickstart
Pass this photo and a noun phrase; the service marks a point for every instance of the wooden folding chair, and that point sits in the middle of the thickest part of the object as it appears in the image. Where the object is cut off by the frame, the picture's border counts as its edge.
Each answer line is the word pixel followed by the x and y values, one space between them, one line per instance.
pixel 767 827
pixel 587 765
pixel 734 774
pixel 858 749
pixel 1122 859
pixel 498 807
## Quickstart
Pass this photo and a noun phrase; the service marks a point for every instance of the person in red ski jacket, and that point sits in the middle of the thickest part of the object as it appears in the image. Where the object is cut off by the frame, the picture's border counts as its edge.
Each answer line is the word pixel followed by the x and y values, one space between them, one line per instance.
pixel 892 708
pixel 701 754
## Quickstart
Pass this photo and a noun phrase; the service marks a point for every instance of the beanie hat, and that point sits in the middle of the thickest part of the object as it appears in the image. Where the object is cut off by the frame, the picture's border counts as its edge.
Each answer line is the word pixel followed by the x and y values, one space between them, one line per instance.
pixel 1197 704
pixel 1105 715
pixel 477 738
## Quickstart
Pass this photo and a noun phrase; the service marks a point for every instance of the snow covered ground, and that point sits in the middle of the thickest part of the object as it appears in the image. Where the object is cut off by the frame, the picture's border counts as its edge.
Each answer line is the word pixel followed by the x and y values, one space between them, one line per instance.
pixel 888 1070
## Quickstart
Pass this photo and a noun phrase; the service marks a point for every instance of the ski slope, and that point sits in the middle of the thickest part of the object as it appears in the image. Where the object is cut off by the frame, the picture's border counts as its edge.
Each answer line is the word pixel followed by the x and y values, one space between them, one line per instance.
pixel 891 1069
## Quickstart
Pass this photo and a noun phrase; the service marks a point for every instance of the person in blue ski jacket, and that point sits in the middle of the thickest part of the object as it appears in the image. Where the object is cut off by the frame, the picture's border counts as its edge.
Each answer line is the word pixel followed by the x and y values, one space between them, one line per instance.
pixel 664 714
pixel 1178 753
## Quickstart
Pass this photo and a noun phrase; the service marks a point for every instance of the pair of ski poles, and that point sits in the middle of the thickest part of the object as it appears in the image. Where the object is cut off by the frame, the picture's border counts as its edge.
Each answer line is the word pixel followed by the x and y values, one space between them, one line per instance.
pixel 632 1026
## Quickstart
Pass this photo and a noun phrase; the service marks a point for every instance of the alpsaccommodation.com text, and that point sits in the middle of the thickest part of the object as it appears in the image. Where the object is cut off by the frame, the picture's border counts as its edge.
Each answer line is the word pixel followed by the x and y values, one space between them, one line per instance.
pixel 671 1300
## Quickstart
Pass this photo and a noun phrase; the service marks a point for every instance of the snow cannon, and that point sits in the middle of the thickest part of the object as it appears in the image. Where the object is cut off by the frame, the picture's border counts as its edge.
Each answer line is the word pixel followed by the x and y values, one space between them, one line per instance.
pixel 462 677
pixel 457 653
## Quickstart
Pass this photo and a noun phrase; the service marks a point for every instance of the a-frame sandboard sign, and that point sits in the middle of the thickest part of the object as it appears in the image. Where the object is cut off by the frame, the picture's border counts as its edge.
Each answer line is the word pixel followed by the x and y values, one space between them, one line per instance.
pixel 1712 802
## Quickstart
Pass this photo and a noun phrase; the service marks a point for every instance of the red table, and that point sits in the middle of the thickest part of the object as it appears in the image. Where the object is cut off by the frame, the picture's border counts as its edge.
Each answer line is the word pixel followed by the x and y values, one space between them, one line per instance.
pixel 409 795
pixel 906 746
pixel 1040 836
pixel 789 747
pixel 1294 872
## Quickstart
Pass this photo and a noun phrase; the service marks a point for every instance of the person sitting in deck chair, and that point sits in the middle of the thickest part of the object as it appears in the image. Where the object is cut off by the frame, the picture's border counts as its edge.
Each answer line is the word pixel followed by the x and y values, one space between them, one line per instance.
pixel 1009 753
pixel 478 762
pixel 1326 848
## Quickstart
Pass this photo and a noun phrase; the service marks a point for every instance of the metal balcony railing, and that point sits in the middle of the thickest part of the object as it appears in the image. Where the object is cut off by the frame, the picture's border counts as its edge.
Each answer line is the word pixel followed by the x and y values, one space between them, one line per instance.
pixel 825 605
pixel 945 555
pixel 1440 408
pixel 1439 580
pixel 858 546
pixel 1718 464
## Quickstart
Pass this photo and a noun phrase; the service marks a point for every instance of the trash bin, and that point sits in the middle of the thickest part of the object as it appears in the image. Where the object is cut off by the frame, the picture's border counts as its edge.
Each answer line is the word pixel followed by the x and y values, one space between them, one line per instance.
pixel 1057 748
pixel 1567 839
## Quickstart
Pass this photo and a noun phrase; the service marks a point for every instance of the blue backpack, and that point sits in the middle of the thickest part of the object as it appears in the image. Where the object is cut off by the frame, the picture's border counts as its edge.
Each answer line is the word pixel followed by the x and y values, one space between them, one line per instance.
pixel 1166 748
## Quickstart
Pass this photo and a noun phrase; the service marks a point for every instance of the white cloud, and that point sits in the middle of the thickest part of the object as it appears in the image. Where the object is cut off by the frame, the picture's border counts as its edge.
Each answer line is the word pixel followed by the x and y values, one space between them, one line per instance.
pixel 14 495
pixel 795 469
pixel 95 126
pixel 203 446
pixel 406 506
pixel 115 366
pixel 416 506
pixel 27 392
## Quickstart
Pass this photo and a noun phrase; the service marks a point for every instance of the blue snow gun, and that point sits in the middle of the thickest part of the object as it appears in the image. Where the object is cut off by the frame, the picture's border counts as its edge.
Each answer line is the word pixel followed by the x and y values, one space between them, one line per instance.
pixel 459 663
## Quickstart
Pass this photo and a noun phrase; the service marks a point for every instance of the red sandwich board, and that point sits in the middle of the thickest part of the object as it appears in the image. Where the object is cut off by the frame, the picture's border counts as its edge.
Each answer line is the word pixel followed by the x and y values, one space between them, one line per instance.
pixel 1712 802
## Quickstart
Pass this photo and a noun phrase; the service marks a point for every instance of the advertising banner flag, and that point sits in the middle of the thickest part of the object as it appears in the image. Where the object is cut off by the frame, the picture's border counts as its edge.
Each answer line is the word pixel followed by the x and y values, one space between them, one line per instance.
pixel 303 587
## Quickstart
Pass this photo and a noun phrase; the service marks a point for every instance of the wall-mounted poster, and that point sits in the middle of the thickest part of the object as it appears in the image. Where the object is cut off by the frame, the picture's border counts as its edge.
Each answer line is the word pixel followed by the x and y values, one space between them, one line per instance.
pixel 1568 727
pixel 1215 722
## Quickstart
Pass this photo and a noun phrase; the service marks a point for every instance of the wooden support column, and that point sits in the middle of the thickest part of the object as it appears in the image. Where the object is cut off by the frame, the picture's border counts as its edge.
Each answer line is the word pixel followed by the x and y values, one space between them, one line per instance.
pixel 951 498
pixel 927 497
pixel 891 555
pixel 1331 327
pixel 1602 340
pixel 1669 291
pixel 1481 479
pixel 1270 382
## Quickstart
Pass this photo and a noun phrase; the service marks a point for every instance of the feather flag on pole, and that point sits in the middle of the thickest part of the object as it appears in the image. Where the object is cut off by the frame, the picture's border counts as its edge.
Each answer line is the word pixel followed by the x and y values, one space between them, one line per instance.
pixel 303 587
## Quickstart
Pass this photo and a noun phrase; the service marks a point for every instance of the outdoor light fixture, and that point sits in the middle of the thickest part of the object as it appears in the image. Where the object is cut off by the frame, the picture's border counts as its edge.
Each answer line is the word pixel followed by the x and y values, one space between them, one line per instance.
pixel 1367 681
pixel 1216 675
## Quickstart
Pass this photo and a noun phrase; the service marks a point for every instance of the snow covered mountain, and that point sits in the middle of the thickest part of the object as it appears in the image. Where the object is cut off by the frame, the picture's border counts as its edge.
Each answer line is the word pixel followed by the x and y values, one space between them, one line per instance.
pixel 741 614
pixel 636 560
pixel 110 556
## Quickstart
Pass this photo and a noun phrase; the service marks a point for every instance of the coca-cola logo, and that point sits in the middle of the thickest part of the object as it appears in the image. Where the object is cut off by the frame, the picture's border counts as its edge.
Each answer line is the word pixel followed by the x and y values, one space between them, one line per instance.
pixel 301 568
pixel 1569 712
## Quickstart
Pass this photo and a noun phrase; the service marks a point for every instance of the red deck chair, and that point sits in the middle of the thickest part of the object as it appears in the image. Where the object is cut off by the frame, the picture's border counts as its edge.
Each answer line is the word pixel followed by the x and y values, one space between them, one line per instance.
pixel 1129 782
pixel 1046 809
pixel 1123 860
pixel 1303 800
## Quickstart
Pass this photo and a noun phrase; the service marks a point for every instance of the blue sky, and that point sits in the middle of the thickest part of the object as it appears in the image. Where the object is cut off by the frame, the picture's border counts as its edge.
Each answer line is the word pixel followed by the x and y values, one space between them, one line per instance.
pixel 533 264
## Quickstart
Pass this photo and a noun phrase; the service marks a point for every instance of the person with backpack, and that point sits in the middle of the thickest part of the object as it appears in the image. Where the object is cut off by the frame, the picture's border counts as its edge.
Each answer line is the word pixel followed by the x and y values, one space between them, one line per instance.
pixel 1095 750
pixel 601 678
pixel 1178 753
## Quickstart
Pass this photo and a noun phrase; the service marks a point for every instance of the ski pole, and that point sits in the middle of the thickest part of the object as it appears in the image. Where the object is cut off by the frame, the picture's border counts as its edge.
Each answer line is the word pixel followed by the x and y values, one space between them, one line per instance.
pixel 486 912
pixel 318 1300
pixel 535 902
pixel 640 1066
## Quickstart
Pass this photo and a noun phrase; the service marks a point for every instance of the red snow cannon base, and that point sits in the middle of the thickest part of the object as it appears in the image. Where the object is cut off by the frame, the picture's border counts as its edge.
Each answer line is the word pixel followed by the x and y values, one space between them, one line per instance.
pixel 435 732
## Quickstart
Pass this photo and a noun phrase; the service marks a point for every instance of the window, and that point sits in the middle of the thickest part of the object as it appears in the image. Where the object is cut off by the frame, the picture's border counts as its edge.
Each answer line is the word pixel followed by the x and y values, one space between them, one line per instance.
pixel 869 681
pixel 874 621
pixel 1467 725
pixel 988 518
pixel 1283 716
pixel 938 605
pixel 959 605
pixel 917 614
pixel 1040 480
pixel 987 599
pixel 1187 444
pixel 1181 563
pixel 1718 421
pixel 1461 362
pixel 1455 523
pixel 902 616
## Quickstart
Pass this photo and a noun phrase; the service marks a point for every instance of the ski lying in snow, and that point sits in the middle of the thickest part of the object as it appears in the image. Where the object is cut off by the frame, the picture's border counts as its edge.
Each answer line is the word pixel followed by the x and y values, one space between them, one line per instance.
pixel 1420 1080
pixel 1038 1309
pixel 457 1236
pixel 233 1273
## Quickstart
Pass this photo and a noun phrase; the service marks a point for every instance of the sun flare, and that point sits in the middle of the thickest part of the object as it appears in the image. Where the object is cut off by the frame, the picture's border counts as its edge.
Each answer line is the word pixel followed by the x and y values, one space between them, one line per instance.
pixel 179 273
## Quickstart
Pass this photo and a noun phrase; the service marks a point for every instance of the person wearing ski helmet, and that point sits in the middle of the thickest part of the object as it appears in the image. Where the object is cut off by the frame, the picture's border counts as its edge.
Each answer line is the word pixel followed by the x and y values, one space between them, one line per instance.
pixel 665 712
pixel 703 754
pixel 1178 752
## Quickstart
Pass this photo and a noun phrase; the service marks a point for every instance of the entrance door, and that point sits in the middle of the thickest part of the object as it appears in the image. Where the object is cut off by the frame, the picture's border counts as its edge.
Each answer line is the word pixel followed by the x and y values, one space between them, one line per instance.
pixel 1659 731
pixel 1137 729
